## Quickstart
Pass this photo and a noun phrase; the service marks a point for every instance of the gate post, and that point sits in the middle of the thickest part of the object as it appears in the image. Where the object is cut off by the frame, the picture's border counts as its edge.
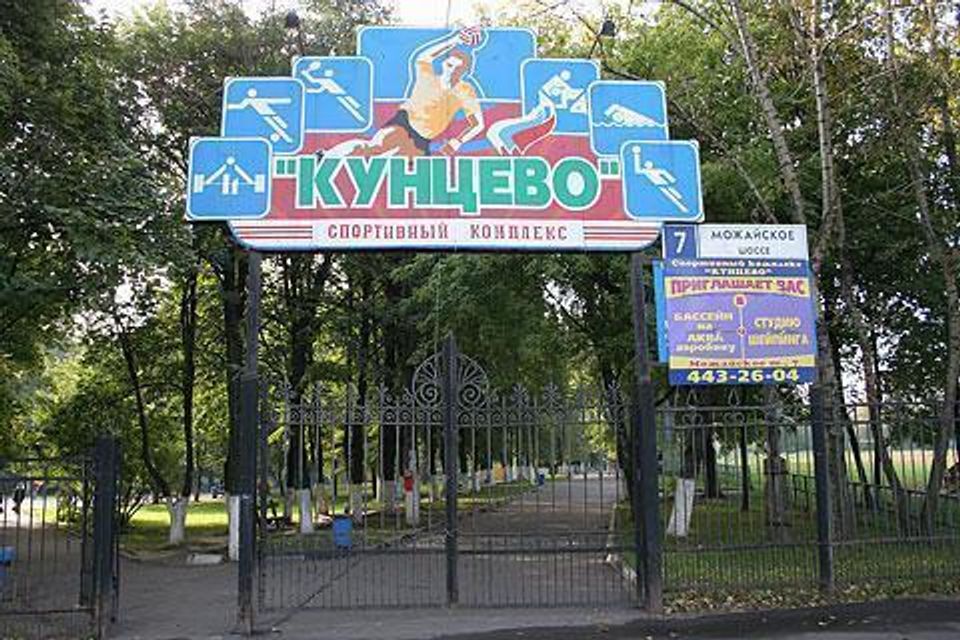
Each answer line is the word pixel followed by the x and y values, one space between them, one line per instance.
pixel 822 488
pixel 450 464
pixel 646 499
pixel 104 507
pixel 249 423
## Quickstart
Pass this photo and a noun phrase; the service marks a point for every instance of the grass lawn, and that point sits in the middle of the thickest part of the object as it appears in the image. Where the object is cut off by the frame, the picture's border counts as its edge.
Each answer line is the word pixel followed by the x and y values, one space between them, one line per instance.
pixel 207 520
pixel 733 551
pixel 150 526
pixel 912 465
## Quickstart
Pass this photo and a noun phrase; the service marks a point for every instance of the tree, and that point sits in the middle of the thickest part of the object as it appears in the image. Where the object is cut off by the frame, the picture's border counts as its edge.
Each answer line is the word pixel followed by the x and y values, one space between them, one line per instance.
pixel 72 190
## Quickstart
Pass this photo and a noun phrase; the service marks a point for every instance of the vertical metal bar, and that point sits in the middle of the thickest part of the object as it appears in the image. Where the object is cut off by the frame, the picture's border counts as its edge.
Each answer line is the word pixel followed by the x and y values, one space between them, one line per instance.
pixel 115 516
pixel 450 462
pixel 645 494
pixel 86 571
pixel 821 476
pixel 382 463
pixel 105 455
pixel 744 471
pixel 249 421
pixel 488 480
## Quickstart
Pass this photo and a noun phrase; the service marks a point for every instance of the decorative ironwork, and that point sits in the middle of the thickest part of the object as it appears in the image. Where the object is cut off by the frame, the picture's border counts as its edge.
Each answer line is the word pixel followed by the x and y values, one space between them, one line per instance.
pixel 538 474
pixel 472 383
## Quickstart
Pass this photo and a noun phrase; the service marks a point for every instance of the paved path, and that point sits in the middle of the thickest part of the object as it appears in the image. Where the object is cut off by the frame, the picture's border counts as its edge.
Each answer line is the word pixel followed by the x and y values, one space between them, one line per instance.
pixel 45 575
pixel 548 547
pixel 161 600
pixel 891 620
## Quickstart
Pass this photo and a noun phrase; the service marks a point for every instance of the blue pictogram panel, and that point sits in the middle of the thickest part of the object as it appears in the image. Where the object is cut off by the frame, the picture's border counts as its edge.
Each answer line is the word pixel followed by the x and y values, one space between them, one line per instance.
pixel 229 179
pixel 563 86
pixel 661 180
pixel 269 108
pixel 338 92
pixel 626 111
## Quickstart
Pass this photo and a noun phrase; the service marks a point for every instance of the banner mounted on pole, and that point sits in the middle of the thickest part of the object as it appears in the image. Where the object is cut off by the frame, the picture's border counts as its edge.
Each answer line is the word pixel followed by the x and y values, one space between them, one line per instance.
pixel 737 302
pixel 441 139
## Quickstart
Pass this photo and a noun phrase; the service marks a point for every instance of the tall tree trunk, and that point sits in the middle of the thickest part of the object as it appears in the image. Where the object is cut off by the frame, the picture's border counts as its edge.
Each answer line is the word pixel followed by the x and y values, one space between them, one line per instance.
pixel 188 337
pixel 813 49
pixel 868 358
pixel 232 273
pixel 831 216
pixel 300 336
pixel 400 342
pixel 838 397
pixel 761 90
pixel 358 424
pixel 188 341
pixel 946 255
pixel 230 266
pixel 709 456
pixel 160 487
pixel 303 281
pixel 877 452
pixel 776 493
pixel 945 426
pixel 618 419
pixel 948 141
pixel 358 434
pixel 395 379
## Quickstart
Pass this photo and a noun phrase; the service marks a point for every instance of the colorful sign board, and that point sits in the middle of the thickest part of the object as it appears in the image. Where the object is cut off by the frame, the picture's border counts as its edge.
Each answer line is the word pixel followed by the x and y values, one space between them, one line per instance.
pixel 737 301
pixel 437 138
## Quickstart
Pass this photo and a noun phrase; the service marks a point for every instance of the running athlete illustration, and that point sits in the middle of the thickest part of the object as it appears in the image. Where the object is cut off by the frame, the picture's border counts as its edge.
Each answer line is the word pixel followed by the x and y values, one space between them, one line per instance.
pixel 264 107
pixel 431 105
pixel 325 83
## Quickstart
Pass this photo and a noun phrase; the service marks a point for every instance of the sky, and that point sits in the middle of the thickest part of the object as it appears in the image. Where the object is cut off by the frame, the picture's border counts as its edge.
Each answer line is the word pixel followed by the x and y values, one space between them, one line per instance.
pixel 411 12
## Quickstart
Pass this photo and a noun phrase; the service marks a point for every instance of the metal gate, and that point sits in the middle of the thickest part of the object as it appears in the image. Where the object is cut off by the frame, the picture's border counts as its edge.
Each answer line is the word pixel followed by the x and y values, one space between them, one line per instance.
pixel 58 560
pixel 448 493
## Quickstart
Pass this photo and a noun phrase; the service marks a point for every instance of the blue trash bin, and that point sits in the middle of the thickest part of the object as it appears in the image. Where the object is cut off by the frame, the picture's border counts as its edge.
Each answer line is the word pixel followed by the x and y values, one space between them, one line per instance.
pixel 342 532
pixel 7 556
pixel 541 480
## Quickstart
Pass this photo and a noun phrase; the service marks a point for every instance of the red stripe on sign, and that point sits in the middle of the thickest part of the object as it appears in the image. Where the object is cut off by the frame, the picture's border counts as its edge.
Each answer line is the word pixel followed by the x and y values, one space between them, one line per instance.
pixel 293 230
pixel 637 234
pixel 620 238
pixel 278 242
pixel 274 228
pixel 648 234
pixel 276 236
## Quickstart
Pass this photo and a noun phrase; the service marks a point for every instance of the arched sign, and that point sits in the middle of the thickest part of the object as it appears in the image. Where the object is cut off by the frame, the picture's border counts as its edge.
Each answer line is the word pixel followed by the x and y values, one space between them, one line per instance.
pixel 440 139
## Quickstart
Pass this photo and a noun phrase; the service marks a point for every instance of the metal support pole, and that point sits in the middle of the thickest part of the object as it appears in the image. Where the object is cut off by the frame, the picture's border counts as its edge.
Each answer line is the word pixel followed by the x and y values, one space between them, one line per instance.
pixel 822 481
pixel 450 464
pixel 249 423
pixel 646 472
pixel 105 456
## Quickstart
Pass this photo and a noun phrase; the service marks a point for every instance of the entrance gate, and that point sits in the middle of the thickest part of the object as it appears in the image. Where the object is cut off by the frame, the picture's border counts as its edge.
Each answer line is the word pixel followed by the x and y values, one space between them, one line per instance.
pixel 448 493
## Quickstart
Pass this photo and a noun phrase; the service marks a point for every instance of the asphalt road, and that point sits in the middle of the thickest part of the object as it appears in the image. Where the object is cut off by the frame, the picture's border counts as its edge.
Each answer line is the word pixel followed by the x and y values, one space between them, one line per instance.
pixel 891 620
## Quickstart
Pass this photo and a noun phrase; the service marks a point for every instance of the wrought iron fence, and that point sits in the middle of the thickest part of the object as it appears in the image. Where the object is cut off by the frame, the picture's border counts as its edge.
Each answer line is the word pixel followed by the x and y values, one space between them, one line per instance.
pixel 411 499
pixel 450 492
pixel 739 502
pixel 58 572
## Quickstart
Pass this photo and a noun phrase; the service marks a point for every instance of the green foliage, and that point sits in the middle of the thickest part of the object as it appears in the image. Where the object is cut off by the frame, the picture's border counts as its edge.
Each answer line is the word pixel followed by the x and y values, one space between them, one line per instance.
pixel 95 122
pixel 77 205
